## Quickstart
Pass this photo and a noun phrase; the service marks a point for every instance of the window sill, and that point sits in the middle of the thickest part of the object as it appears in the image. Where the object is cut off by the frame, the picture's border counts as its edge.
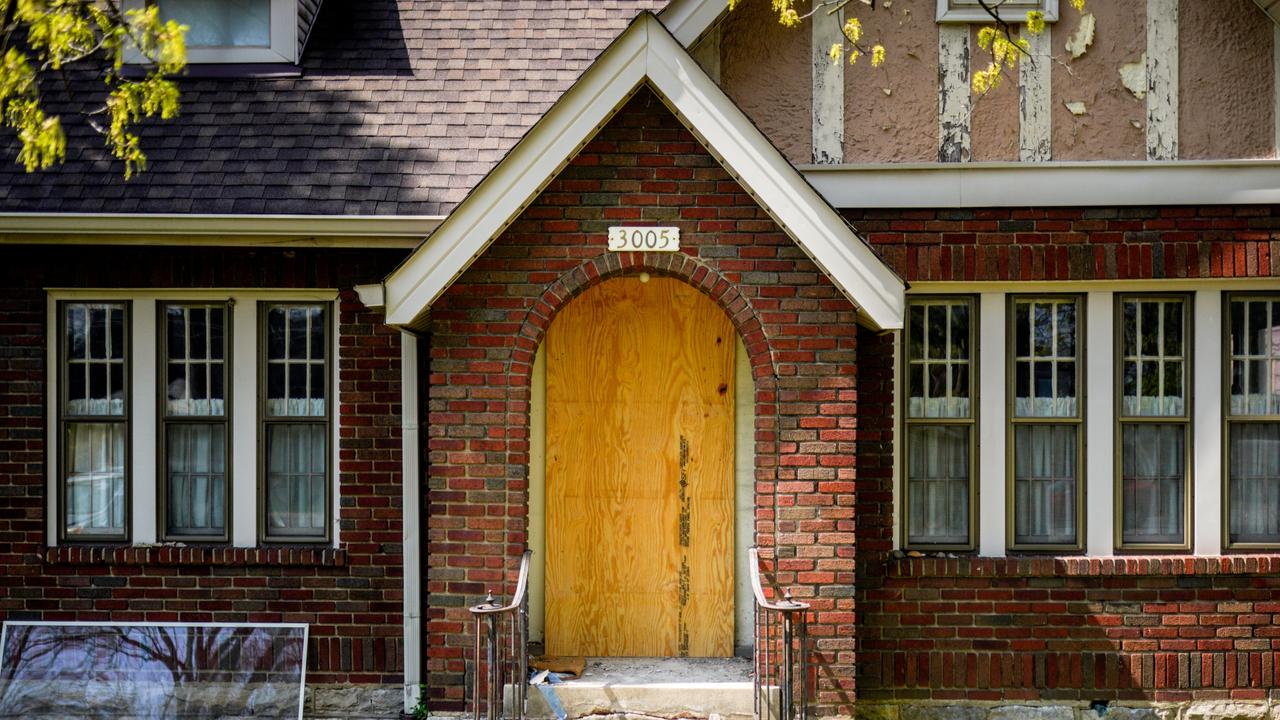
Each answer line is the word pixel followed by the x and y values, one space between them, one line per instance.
pixel 1129 566
pixel 194 555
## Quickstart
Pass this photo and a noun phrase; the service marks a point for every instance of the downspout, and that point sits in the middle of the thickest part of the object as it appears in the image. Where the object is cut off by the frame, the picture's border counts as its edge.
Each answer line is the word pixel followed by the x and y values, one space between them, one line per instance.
pixel 411 547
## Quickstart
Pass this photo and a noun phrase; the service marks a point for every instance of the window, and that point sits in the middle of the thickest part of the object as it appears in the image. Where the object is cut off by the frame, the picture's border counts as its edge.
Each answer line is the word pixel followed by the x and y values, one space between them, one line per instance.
pixel 194 416
pixel 93 419
pixel 295 421
pixel 1046 424
pixel 194 446
pixel 1011 11
pixel 940 423
pixel 234 31
pixel 1253 421
pixel 1154 419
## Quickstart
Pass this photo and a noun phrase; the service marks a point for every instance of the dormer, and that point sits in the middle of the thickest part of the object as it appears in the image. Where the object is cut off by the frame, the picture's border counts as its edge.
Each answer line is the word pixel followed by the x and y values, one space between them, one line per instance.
pixel 238 32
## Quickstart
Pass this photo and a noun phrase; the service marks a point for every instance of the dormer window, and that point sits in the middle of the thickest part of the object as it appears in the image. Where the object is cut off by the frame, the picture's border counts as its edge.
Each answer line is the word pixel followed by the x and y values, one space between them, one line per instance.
pixel 1011 11
pixel 236 31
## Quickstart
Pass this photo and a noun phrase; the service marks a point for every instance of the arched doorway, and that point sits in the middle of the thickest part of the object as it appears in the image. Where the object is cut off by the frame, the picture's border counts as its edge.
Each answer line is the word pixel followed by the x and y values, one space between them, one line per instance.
pixel 640 473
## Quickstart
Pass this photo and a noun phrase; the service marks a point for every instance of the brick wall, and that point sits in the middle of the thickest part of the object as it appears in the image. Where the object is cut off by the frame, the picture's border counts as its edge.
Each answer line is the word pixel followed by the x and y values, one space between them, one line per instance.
pixel 643 167
pixel 1076 243
pixel 1153 629
pixel 351 596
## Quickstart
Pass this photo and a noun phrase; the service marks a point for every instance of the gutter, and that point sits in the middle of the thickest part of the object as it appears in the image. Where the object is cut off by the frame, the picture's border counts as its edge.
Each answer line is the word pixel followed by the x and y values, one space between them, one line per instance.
pixel 126 228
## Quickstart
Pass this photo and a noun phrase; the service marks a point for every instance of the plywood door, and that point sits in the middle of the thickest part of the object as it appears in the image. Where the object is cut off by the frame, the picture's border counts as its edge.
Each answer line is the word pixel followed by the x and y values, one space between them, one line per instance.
pixel 640 473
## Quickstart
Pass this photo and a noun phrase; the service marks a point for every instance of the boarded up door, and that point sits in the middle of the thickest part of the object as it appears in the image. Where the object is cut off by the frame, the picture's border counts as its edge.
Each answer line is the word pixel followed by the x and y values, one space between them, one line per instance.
pixel 640 473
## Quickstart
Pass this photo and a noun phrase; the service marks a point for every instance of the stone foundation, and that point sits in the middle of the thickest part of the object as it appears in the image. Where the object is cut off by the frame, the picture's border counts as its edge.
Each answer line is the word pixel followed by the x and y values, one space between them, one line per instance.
pixel 353 702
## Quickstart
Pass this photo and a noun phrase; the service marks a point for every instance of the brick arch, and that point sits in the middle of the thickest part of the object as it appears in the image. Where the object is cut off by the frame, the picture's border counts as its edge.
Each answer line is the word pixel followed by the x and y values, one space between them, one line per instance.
pixel 679 266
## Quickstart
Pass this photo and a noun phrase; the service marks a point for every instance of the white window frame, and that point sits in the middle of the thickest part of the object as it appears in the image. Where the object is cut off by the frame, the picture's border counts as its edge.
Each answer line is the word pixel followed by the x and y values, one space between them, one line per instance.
pixel 143 517
pixel 283 49
pixel 1205 386
pixel 1011 11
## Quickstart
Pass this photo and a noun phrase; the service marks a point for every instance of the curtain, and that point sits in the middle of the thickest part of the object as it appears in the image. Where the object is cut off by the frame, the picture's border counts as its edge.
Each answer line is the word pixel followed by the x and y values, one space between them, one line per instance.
pixel 1255 482
pixel 1153 482
pixel 95 487
pixel 938 478
pixel 296 477
pixel 1044 484
pixel 197 478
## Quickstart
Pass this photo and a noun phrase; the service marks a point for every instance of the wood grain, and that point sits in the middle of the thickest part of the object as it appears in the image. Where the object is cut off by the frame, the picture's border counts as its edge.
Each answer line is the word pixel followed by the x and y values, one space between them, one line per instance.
pixel 640 395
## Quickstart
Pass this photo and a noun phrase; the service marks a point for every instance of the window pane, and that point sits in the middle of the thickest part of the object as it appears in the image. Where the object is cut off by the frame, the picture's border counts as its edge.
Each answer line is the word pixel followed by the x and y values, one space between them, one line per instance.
pixel 1153 460
pixel 1153 361
pixel 1255 350
pixel 222 23
pixel 1255 482
pixel 937 362
pixel 1044 381
pixel 296 484
pixel 296 361
pixel 194 360
pixel 1044 490
pixel 94 489
pixel 94 356
pixel 197 479
pixel 938 479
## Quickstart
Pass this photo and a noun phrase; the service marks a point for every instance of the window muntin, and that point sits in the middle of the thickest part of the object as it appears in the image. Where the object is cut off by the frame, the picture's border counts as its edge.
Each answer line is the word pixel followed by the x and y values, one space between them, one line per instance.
pixel 940 416
pixel 1046 426
pixel 94 420
pixel 295 417
pixel 1253 421
pixel 1153 421
pixel 195 452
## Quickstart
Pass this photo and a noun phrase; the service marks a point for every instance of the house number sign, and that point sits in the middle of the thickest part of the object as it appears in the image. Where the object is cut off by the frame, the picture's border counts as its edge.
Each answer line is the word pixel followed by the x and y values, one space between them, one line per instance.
pixel 644 239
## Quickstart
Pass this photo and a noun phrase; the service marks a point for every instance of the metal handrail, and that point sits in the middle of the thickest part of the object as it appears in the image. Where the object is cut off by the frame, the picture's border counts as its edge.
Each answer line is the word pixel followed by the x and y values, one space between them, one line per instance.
pixel 786 624
pixel 488 618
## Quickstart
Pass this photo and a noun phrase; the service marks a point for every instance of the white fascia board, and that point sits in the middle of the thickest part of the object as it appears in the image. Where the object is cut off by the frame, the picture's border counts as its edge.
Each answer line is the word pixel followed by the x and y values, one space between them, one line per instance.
pixel 687 20
pixel 772 180
pixel 645 50
pixel 1048 184
pixel 516 180
pixel 126 224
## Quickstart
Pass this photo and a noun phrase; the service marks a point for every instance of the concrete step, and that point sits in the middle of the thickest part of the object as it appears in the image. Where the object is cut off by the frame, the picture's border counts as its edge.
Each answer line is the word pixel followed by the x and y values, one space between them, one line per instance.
pixel 655 687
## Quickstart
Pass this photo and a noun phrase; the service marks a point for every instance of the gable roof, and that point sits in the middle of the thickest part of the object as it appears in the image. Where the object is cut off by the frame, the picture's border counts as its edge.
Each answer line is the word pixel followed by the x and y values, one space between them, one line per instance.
pixel 402 107
pixel 645 53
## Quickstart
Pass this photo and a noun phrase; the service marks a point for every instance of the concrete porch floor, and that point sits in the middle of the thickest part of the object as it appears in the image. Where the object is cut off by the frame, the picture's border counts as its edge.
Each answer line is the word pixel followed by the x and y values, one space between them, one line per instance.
pixel 654 687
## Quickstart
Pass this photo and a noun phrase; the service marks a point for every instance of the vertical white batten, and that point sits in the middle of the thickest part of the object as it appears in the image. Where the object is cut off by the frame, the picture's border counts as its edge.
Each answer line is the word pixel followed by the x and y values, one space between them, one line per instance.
pixel 1099 423
pixel 1162 79
pixel 954 97
pixel 899 469
pixel 244 424
pixel 1034 82
pixel 411 550
pixel 991 424
pixel 1206 425
pixel 827 106
pixel 143 409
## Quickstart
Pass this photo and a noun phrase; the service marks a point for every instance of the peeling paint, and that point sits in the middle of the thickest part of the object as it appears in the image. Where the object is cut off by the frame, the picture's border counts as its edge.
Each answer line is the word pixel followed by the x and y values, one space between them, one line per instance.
pixel 1034 84
pixel 954 96
pixel 1162 79
pixel 828 88
pixel 1076 108
pixel 1134 76
pixel 1079 41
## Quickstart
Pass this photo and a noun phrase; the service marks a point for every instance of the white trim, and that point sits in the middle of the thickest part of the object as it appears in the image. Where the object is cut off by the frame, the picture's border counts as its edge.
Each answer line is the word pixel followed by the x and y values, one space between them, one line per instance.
pixel 143 409
pixel 143 428
pixel 335 423
pixel 52 462
pixel 537 517
pixel 646 51
pixel 410 499
pixel 1035 82
pixel 1050 184
pixel 955 100
pixel 1206 426
pixel 991 424
pixel 947 13
pixel 899 397
pixel 371 296
pixel 687 20
pixel 1099 423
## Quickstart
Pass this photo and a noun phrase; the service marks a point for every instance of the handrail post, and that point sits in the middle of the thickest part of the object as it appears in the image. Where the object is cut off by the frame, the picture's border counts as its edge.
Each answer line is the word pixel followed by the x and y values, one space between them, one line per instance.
pixel 792 617
pixel 500 657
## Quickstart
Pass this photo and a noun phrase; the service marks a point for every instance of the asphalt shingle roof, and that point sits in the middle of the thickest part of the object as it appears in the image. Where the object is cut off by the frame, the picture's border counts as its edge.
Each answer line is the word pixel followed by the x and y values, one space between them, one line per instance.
pixel 402 108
